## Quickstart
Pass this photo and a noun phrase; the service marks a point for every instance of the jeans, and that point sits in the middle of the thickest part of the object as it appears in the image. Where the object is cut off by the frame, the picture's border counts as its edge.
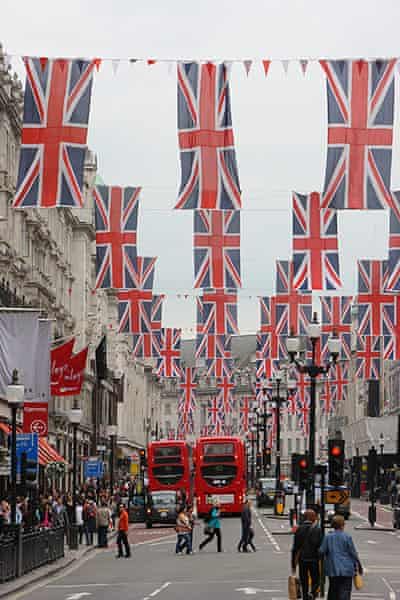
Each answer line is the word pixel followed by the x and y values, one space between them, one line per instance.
pixel 182 542
pixel 215 532
pixel 82 530
pixel 340 588
pixel 309 569
pixel 122 540
pixel 102 536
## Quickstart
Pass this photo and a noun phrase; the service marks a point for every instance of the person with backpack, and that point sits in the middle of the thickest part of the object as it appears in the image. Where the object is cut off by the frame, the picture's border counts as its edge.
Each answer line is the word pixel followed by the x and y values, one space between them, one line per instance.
pixel 89 519
pixel 305 554
pixel 213 527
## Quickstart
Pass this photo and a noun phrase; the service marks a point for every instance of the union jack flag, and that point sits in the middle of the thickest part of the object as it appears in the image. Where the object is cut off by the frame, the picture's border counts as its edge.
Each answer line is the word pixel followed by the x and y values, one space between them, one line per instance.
pixel 265 314
pixel 225 394
pixel 293 310
pixel 245 409
pixel 265 365
pixel 338 378
pixel 143 343
pixel 135 305
pixel 360 134
pixel 116 216
pixel 216 417
pixel 222 364
pixel 185 425
pixel 168 341
pixel 368 363
pixel 315 245
pixel 393 280
pixel 54 131
pixel 219 312
pixel 272 428
pixel 372 277
pixel 391 320
pixel 303 404
pixel 216 244
pixel 210 176
pixel 263 392
pixel 188 387
pixel 336 321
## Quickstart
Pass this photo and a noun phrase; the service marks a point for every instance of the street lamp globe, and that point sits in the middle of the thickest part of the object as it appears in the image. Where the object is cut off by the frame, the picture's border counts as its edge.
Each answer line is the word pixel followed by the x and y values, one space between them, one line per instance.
pixel 112 430
pixel 293 345
pixel 15 391
pixel 334 345
pixel 314 329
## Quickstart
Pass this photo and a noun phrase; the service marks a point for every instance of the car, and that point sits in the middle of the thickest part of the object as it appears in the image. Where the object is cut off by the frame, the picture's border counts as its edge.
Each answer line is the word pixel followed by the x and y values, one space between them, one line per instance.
pixel 287 487
pixel 265 491
pixel 161 507
pixel 137 509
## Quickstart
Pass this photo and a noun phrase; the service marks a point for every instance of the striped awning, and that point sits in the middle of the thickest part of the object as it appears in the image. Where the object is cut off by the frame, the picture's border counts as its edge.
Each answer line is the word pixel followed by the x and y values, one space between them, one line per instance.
pixel 47 454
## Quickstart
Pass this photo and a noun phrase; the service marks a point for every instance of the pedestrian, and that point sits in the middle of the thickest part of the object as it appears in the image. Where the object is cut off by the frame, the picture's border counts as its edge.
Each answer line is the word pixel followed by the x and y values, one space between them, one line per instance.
pixel 192 523
pixel 245 518
pixel 182 532
pixel 60 514
pixel 123 528
pixel 305 554
pixel 89 519
pixel 213 527
pixel 103 518
pixel 393 492
pixel 80 522
pixel 341 560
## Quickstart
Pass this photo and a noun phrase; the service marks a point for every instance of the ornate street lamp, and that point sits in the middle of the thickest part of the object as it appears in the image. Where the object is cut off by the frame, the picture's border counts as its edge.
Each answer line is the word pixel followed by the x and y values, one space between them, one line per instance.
pixel 75 417
pixel 15 398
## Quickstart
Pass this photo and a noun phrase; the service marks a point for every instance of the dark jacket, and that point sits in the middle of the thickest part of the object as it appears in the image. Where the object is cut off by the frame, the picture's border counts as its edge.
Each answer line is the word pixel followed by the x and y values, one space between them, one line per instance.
pixel 246 518
pixel 306 543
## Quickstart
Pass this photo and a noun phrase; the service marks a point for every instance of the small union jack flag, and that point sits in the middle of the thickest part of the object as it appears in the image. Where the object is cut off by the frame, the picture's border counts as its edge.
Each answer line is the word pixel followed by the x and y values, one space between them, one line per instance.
pixel 303 404
pixel 116 216
pixel 143 343
pixel 360 133
pixel 245 410
pixel 222 364
pixel 368 362
pixel 336 321
pixel 220 312
pixel 315 245
pixel 188 387
pixel 393 279
pixel 293 310
pixel 265 365
pixel 265 314
pixel 263 392
pixel 210 178
pixel 372 277
pixel 391 339
pixel 54 131
pixel 225 394
pixel 216 244
pixel 339 380
pixel 216 417
pixel 169 349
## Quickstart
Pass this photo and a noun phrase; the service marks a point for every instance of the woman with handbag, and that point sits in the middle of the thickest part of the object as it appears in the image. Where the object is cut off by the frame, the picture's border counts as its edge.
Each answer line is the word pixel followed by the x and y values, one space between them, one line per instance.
pixel 341 561
pixel 213 528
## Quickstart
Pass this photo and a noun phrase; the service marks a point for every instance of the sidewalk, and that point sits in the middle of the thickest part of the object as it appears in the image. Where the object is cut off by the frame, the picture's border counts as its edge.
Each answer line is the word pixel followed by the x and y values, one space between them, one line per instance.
pixel 138 534
pixel 384 513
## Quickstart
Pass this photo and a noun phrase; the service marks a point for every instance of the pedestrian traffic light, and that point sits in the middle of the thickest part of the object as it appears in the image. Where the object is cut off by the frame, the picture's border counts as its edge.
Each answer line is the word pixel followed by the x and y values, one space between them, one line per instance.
pixel 372 467
pixel 258 461
pixel 336 462
pixel 143 458
pixel 267 458
pixel 303 465
pixel 29 473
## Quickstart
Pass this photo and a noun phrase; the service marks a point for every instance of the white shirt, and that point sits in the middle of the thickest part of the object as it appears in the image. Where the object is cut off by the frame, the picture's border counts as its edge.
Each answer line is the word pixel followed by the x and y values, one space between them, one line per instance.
pixel 78 514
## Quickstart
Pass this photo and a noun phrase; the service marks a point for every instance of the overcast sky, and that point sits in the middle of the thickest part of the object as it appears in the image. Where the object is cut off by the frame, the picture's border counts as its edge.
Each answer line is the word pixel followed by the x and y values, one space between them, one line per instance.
pixel 279 121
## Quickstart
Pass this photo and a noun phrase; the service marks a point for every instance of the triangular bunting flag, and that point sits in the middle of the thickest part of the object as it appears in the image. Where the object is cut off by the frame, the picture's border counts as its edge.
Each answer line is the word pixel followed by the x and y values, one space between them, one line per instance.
pixel 43 62
pixel 247 66
pixel 97 63
pixel 115 65
pixel 285 65
pixel 151 61
pixel 304 65
pixel 266 64
pixel 209 67
pixel 360 64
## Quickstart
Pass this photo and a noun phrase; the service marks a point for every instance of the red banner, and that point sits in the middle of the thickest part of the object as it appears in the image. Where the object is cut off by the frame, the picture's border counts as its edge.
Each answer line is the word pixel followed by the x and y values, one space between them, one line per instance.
pixel 59 357
pixel 70 375
pixel 36 418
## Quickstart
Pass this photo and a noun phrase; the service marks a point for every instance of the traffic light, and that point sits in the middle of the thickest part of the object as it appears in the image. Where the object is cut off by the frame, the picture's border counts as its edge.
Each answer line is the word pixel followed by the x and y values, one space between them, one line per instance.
pixel 29 473
pixel 336 462
pixel 372 467
pixel 267 458
pixel 294 474
pixel 303 466
pixel 258 463
pixel 143 458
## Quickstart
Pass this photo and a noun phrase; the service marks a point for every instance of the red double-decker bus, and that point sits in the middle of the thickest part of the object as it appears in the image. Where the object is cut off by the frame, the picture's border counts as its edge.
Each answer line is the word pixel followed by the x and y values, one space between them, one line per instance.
pixel 220 473
pixel 170 466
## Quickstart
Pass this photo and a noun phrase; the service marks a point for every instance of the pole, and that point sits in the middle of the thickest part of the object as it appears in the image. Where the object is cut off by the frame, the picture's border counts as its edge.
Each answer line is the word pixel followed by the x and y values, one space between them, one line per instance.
pixel 278 437
pixel 112 438
pixel 252 460
pixel 313 390
pixel 323 475
pixel 14 465
pixel 258 463
pixel 265 437
pixel 74 468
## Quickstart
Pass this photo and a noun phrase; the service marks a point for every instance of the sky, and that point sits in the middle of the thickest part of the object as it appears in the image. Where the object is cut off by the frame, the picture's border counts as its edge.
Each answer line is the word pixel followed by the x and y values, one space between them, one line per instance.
pixel 279 121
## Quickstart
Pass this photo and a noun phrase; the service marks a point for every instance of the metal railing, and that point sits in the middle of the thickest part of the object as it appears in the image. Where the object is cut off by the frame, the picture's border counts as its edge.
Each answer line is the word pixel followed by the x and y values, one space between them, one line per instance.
pixel 21 553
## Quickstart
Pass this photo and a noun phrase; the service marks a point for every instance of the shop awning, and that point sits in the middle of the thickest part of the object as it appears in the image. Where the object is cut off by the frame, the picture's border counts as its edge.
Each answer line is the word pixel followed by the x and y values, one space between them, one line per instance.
pixel 47 454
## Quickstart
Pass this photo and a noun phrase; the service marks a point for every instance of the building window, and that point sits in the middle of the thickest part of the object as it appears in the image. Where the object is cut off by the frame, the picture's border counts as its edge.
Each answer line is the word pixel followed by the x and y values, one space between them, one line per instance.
pixel 298 442
pixel 289 423
pixel 289 446
pixel 167 409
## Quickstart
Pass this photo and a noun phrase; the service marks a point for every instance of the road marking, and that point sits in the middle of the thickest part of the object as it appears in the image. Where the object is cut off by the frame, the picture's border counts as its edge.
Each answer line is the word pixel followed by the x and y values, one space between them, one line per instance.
pixel 392 593
pixel 372 542
pixel 158 590
pixel 268 533
pixel 78 595
pixel 163 542
pixel 248 591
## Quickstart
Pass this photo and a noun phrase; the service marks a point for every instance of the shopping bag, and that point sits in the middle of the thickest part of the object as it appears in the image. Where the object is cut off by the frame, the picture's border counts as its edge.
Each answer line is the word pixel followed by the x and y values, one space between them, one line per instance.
pixel 358 581
pixel 294 591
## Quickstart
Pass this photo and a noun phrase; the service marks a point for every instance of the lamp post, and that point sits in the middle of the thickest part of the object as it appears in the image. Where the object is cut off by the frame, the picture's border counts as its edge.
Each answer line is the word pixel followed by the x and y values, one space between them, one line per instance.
pixel 75 417
pixel 112 431
pixel 15 398
pixel 313 371
pixel 382 469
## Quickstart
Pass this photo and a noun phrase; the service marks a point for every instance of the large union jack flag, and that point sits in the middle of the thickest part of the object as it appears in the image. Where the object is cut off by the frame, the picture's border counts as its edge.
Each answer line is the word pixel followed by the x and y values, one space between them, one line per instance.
pixel 303 403
pixel 245 412
pixel 216 244
pixel 293 309
pixel 315 244
pixel 265 364
pixel 210 176
pixel 188 387
pixel 336 321
pixel 225 394
pixel 169 350
pixel 372 298
pixel 265 314
pixel 135 305
pixel 219 312
pixel 216 417
pixel 116 216
pixel 221 365
pixel 185 422
pixel 391 321
pixel 54 131
pixel 368 362
pixel 144 345
pixel 393 279
pixel 360 133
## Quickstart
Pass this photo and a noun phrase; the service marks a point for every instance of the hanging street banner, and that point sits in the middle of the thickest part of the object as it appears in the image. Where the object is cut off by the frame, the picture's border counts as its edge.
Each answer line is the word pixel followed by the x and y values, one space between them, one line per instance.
pixel 36 418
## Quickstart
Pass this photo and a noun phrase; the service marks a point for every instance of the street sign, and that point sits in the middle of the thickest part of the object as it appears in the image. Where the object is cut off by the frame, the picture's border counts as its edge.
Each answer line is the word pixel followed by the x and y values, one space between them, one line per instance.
pixel 93 468
pixel 336 496
pixel 27 443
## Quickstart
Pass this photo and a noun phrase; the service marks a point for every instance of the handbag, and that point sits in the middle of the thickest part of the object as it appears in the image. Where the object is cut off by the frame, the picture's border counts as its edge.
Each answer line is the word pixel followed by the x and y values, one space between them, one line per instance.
pixel 294 591
pixel 358 581
pixel 208 530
